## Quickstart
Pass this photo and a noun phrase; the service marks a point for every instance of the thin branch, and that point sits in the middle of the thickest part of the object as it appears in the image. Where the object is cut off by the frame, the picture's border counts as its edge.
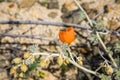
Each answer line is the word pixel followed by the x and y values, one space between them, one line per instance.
pixel 107 61
pixel 85 69
pixel 97 34
pixel 105 48
pixel 58 24
pixel 101 41
pixel 76 64
pixel 73 62
pixel 84 12
pixel 46 54
pixel 26 36
pixel 101 12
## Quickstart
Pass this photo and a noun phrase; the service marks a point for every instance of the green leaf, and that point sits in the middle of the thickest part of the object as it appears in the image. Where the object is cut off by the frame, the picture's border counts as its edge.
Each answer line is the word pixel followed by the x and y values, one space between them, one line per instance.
pixel 105 77
pixel 82 16
pixel 34 48
pixel 33 66
pixel 117 77
pixel 117 47
pixel 99 25
pixel 63 67
pixel 117 60
pixel 41 75
pixel 93 38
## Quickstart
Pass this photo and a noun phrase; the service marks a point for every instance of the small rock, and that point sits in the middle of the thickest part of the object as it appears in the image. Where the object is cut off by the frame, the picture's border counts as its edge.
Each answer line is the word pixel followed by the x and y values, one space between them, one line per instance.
pixel 50 4
pixel 26 3
pixel 3 74
pixel 3 61
pixel 11 5
pixel 9 8
pixel 53 4
pixel 68 6
pixel 72 17
pixel 52 14
pixel 71 74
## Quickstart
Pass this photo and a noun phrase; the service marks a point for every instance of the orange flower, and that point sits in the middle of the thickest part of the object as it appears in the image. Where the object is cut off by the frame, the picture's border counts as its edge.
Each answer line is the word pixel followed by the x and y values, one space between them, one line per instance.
pixel 67 36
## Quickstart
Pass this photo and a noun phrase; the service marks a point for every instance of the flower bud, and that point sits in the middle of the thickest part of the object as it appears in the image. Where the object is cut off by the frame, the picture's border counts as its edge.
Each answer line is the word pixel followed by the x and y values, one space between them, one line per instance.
pixel 80 62
pixel 32 59
pixel 21 75
pixel 26 55
pixel 66 61
pixel 24 67
pixel 17 60
pixel 12 70
pixel 80 58
pixel 60 60
pixel 108 70
pixel 44 63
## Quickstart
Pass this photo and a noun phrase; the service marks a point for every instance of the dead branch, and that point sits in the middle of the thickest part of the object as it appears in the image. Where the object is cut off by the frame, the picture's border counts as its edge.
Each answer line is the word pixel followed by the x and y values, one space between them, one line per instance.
pixel 26 36
pixel 59 24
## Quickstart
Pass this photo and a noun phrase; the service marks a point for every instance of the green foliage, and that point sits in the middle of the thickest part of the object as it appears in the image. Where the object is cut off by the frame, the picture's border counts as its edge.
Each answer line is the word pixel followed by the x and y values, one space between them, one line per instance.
pixel 25 75
pixel 34 65
pixel 44 2
pixel 63 67
pixel 41 75
pixel 117 60
pixel 34 48
pixel 99 25
pixel 65 49
pixel 117 47
pixel 82 16
pixel 117 76
pixel 105 77
pixel 93 38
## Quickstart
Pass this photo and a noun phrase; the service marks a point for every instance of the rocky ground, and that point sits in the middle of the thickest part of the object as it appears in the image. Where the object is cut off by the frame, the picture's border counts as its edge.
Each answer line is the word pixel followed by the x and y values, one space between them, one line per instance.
pixel 56 11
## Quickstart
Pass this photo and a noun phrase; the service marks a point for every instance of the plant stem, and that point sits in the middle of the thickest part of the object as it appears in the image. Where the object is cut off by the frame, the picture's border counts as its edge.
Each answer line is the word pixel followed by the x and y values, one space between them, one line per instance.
pixel 77 3
pixel 46 54
pixel 69 52
pixel 85 69
pixel 110 56
pixel 77 65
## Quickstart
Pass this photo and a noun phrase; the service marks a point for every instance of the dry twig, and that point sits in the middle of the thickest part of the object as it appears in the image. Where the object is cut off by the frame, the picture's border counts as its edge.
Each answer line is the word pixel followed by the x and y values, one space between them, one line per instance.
pixel 96 32
pixel 59 24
